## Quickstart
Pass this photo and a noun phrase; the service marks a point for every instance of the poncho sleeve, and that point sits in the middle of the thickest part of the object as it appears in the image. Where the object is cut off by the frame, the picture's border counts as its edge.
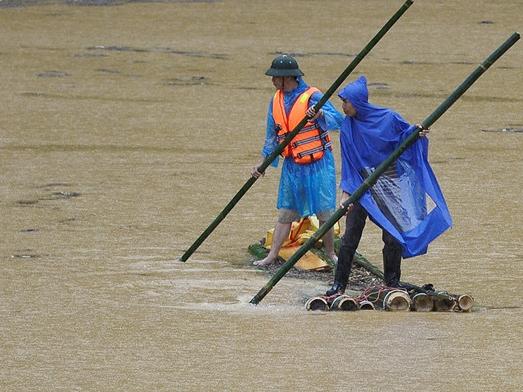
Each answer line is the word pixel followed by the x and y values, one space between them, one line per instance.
pixel 401 126
pixel 271 141
pixel 404 129
pixel 331 119
pixel 346 178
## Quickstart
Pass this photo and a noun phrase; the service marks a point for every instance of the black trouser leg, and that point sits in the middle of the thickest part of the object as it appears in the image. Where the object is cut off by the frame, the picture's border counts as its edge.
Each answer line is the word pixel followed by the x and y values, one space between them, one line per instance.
pixel 391 260
pixel 355 222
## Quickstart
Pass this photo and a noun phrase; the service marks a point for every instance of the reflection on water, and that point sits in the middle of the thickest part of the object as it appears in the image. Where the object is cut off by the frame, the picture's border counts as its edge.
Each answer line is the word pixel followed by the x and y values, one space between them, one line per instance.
pixel 126 129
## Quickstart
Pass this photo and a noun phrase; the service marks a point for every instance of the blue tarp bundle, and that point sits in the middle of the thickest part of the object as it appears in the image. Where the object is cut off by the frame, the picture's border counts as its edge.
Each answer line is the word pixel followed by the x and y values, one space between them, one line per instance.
pixel 406 200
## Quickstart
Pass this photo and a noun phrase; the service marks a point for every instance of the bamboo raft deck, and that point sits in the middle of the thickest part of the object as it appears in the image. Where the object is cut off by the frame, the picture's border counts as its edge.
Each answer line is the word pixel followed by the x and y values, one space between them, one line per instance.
pixel 367 288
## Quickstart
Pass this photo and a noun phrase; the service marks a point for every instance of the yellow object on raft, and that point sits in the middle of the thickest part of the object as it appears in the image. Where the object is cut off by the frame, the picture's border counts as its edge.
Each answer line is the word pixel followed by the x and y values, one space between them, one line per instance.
pixel 300 232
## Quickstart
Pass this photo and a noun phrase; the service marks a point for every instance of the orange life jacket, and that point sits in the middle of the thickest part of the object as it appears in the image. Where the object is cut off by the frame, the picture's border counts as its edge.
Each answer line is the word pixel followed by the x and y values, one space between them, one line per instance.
pixel 310 143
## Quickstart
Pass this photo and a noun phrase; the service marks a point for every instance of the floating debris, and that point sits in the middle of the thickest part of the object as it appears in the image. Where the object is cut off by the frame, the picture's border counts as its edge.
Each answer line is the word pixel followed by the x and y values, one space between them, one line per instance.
pixel 505 129
pixel 93 3
pixel 116 48
pixel 310 54
pixel 463 62
pixel 25 256
pixel 52 74
pixel 192 81
pixel 65 195
pixel 27 202
pixel 33 94
pixel 88 55
pixel 109 71
pixel 53 184
pixel 67 220
pixel 414 62
pixel 379 86
pixel 28 230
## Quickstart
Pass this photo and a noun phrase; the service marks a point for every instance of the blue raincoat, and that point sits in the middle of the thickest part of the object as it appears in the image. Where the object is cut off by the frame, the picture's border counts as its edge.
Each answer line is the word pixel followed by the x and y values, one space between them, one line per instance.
pixel 406 201
pixel 311 188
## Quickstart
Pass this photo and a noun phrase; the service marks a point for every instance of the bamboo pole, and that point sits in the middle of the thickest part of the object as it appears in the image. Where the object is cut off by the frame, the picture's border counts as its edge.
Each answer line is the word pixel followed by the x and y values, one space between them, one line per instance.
pixel 345 303
pixel 442 300
pixel 317 303
pixel 465 302
pixel 366 305
pixel 396 300
pixel 371 180
pixel 422 302
pixel 221 216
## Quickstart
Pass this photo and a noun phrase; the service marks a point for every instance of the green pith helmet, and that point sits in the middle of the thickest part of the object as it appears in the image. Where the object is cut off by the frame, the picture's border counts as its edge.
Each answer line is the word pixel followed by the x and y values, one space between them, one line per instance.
pixel 284 65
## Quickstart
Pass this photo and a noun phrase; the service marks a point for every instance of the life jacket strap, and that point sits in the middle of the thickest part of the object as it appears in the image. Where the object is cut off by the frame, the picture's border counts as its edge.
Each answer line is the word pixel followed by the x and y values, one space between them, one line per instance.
pixel 315 150
pixel 307 129
pixel 305 141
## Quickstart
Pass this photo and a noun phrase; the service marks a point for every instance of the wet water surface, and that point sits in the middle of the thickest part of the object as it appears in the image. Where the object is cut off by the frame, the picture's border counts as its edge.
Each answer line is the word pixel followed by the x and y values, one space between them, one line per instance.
pixel 127 127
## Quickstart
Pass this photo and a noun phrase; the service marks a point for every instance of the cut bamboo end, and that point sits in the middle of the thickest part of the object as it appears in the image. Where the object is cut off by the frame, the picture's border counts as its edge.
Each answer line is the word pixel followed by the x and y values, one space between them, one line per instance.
pixel 444 304
pixel 366 305
pixel 316 303
pixel 422 302
pixel 396 300
pixel 345 303
pixel 465 302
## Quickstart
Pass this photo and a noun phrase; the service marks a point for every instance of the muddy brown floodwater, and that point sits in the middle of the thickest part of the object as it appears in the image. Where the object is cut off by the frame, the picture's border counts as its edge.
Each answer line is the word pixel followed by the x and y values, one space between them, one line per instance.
pixel 125 128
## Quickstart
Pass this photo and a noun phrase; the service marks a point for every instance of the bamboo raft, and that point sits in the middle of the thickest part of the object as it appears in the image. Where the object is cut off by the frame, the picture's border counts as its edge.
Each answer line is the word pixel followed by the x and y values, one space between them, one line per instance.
pixel 409 297
pixel 393 299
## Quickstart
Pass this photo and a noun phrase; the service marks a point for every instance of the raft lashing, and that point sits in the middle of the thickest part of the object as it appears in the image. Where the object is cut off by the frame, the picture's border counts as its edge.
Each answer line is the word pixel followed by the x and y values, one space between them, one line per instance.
pixel 394 299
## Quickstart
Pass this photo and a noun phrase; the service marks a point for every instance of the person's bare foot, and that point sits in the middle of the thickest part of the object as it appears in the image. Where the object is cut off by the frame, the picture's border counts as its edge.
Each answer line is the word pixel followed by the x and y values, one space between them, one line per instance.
pixel 333 257
pixel 265 262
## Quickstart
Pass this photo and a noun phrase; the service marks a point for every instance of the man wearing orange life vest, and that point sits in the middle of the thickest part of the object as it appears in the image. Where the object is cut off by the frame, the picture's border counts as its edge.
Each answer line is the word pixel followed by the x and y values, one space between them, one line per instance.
pixel 308 178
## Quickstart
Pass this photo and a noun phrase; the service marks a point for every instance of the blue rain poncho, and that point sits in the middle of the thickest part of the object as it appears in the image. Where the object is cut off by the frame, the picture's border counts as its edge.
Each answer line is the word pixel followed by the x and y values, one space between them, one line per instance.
pixel 311 188
pixel 406 201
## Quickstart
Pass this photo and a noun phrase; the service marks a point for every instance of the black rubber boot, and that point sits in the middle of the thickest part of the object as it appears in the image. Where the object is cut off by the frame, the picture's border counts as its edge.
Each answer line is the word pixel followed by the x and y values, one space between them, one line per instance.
pixel 336 289
pixel 341 277
pixel 391 261
pixel 354 224
pixel 392 272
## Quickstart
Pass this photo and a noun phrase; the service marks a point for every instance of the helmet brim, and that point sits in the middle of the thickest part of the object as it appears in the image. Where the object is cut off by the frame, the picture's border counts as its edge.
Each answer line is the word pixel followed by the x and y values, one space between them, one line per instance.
pixel 283 72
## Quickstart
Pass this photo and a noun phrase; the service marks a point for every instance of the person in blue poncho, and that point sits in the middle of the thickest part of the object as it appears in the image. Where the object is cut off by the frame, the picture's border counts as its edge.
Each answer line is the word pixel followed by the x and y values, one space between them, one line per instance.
pixel 406 201
pixel 308 177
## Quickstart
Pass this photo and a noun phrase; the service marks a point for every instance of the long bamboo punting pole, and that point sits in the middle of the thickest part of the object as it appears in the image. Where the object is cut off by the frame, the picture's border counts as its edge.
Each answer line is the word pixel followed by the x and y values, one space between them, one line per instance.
pixel 221 216
pixel 371 180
